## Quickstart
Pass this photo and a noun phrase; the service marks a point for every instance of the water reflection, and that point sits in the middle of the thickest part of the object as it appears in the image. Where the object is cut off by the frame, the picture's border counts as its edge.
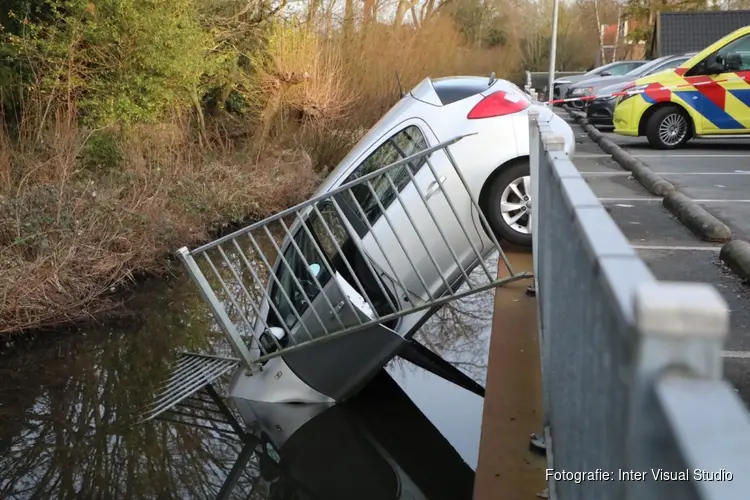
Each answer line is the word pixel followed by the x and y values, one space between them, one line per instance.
pixel 67 411
pixel 460 331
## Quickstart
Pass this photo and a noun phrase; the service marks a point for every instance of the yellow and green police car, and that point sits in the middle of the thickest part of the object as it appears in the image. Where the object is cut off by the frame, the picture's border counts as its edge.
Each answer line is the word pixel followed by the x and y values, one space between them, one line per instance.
pixel 707 96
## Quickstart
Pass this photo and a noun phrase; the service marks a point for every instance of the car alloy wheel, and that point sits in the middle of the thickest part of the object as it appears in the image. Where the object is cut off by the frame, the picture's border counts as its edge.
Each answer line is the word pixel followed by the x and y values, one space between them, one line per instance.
pixel 515 204
pixel 673 129
pixel 509 205
pixel 668 127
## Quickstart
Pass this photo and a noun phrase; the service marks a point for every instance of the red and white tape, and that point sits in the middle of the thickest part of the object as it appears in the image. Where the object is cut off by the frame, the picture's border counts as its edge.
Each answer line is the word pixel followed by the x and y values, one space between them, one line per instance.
pixel 630 92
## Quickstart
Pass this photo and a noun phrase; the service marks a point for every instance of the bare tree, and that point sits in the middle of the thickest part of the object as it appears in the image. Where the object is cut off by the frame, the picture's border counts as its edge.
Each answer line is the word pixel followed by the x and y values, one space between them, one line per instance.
pixel 600 30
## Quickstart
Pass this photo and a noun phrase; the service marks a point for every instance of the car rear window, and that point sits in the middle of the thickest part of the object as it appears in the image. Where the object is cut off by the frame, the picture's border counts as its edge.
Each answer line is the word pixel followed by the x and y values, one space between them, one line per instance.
pixel 450 90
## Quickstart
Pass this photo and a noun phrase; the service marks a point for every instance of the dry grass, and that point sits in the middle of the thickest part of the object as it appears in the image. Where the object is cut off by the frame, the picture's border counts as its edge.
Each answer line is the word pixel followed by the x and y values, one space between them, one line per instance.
pixel 82 212
pixel 372 60
pixel 71 231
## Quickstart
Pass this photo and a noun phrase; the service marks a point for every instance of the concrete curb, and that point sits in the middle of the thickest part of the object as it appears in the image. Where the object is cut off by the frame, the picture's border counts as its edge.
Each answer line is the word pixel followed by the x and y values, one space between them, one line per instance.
pixel 655 184
pixel 736 255
pixel 701 223
pixel 693 216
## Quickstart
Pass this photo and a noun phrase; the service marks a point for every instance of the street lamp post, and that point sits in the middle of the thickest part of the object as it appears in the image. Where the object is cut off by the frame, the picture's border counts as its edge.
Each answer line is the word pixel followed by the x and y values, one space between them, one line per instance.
pixel 552 50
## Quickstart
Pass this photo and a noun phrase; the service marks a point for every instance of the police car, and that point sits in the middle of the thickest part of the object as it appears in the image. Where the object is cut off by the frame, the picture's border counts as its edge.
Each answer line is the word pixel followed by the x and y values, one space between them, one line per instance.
pixel 706 96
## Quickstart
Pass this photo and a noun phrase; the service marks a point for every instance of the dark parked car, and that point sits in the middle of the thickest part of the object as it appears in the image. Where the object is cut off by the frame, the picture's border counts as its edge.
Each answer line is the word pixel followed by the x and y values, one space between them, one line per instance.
pixel 560 86
pixel 590 87
pixel 599 111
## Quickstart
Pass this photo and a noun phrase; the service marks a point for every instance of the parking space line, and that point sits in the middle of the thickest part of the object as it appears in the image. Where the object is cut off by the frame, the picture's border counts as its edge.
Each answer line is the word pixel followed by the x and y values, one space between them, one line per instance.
pixel 735 354
pixel 652 199
pixel 616 174
pixel 605 174
pixel 677 247
pixel 617 200
pixel 664 155
pixel 744 172
pixel 721 201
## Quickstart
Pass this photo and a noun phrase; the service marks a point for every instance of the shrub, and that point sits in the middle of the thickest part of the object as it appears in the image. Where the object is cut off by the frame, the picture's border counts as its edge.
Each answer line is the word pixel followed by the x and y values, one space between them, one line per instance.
pixel 118 60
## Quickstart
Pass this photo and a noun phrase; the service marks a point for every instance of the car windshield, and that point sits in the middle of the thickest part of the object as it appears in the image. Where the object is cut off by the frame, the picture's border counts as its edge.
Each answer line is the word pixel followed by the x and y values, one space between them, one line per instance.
pixel 596 71
pixel 643 69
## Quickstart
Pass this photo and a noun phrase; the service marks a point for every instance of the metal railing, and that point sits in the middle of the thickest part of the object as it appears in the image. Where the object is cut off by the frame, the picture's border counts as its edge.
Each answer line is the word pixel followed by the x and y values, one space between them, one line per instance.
pixel 631 367
pixel 335 264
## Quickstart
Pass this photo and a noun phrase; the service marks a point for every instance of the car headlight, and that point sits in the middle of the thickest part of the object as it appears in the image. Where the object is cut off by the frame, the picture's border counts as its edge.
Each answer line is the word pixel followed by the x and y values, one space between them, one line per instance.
pixel 582 90
pixel 630 91
pixel 560 82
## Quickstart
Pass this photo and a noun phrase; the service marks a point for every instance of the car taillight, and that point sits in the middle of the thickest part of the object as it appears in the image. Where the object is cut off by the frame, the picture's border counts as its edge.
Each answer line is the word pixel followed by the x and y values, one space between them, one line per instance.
pixel 498 104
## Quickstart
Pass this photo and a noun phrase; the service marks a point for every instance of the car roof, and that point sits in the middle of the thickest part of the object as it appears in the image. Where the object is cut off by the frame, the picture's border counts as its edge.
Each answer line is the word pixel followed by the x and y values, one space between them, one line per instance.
pixel 615 63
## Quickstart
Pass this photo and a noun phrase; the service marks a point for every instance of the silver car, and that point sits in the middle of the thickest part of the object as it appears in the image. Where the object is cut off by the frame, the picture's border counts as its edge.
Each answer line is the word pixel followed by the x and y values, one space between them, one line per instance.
pixel 396 228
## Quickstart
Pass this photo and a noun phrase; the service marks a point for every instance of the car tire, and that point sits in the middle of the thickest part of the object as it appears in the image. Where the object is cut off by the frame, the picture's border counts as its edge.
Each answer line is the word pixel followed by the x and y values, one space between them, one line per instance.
pixel 499 212
pixel 668 128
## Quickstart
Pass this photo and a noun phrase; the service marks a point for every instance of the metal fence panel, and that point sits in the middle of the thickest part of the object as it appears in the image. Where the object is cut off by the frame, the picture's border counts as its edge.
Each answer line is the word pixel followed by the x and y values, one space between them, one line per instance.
pixel 389 244
pixel 624 356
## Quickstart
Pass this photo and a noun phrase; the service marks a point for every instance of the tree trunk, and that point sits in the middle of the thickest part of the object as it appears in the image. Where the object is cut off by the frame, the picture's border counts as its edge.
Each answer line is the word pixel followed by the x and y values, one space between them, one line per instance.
pixel 403 6
pixel 368 11
pixel 312 10
pixel 349 18
pixel 427 9
pixel 617 35
pixel 599 29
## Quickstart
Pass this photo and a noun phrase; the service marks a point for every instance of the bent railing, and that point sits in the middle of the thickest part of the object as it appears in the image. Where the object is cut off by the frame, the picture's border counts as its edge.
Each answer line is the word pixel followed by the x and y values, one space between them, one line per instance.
pixel 314 262
pixel 631 366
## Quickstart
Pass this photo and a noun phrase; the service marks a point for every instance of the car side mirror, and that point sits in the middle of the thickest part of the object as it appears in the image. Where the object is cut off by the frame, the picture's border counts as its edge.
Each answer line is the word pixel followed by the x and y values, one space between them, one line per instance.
pixel 606 73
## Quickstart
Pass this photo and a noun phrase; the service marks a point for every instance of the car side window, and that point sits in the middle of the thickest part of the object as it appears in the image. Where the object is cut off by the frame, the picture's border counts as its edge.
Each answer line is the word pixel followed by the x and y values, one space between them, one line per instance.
pixel 296 287
pixel 401 145
pixel 734 56
pixel 620 69
pixel 327 228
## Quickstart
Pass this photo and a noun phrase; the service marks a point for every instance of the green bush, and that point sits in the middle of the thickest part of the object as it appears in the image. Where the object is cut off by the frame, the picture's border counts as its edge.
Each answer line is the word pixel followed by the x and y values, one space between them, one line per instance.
pixel 102 152
pixel 119 60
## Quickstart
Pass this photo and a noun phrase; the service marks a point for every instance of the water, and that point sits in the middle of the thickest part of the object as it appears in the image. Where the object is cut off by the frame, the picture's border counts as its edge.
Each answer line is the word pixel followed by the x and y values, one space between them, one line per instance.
pixel 68 411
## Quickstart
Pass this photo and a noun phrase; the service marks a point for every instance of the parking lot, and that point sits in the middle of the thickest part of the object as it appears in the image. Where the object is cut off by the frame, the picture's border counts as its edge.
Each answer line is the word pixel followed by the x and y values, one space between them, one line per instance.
pixel 715 174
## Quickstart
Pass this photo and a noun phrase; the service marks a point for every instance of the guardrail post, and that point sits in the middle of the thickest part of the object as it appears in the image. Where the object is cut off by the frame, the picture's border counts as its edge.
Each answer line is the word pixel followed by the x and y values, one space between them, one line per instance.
pixel 536 153
pixel 680 328
pixel 541 143
pixel 233 336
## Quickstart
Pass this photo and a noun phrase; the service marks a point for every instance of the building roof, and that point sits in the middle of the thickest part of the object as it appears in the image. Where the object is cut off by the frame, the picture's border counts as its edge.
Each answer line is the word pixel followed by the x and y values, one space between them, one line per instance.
pixel 678 32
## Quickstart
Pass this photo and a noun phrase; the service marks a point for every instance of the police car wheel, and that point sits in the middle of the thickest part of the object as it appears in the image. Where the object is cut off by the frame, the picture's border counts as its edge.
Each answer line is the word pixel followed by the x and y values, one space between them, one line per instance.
pixel 668 128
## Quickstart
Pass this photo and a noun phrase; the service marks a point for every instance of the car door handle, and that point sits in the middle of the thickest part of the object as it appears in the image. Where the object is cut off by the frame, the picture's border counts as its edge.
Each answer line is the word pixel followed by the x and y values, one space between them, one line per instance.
pixel 337 308
pixel 434 187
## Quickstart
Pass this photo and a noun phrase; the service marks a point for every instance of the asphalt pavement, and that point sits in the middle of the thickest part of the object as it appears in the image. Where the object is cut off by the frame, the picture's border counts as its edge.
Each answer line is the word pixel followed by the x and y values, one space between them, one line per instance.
pixel 716 175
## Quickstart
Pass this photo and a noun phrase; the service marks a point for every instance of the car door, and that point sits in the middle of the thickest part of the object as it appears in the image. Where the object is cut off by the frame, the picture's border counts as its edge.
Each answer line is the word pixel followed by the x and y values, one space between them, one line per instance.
pixel 720 91
pixel 416 242
pixel 320 286
pixel 319 275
